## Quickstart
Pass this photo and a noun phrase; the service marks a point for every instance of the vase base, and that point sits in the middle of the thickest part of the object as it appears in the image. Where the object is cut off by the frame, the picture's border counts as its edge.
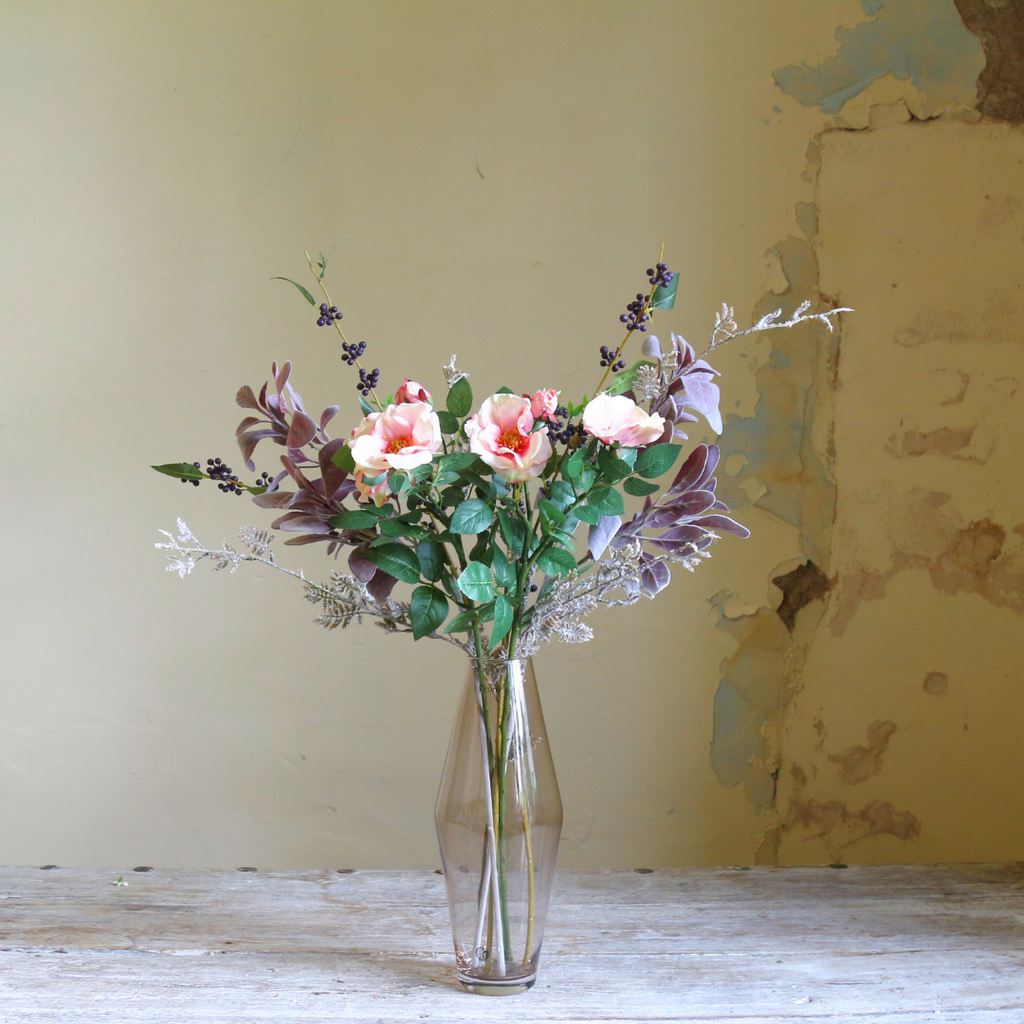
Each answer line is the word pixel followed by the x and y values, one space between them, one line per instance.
pixel 496 986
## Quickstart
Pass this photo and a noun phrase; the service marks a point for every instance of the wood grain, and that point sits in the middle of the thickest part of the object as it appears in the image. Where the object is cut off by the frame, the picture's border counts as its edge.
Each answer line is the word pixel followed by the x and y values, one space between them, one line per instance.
pixel 894 944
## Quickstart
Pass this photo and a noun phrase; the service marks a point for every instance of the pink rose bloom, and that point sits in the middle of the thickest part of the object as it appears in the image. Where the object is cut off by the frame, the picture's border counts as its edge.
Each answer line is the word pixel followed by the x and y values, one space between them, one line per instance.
pixel 613 418
pixel 411 391
pixel 377 493
pixel 501 434
pixel 401 437
pixel 543 404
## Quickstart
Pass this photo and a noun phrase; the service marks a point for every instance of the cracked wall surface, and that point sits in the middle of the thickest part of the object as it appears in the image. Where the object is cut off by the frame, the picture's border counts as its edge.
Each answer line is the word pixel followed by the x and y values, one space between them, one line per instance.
pixel 871 708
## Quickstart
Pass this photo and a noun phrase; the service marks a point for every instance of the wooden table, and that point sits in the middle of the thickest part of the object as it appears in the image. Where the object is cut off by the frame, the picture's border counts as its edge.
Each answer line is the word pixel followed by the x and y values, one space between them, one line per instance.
pixel 765 945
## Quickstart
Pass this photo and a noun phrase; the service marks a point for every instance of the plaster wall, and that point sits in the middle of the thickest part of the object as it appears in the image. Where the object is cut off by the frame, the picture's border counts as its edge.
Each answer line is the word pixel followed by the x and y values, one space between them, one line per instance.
pixel 491 180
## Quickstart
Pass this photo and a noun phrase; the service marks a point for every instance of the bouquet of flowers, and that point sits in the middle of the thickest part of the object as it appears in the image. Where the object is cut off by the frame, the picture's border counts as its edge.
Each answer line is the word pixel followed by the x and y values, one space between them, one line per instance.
pixel 508 521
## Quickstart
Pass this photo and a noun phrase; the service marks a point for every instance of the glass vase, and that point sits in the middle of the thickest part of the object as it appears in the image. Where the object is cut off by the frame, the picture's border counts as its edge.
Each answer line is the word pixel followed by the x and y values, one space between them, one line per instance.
pixel 498 818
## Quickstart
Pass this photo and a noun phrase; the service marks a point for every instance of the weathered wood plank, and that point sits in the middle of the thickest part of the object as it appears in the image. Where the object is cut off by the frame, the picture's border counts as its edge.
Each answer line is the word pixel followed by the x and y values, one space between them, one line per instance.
pixel 893 945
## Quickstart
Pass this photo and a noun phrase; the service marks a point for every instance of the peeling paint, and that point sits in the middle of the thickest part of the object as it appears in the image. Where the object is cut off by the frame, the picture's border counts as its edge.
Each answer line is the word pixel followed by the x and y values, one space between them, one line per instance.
pixel 999 26
pixel 924 41
pixel 804 584
pixel 857 764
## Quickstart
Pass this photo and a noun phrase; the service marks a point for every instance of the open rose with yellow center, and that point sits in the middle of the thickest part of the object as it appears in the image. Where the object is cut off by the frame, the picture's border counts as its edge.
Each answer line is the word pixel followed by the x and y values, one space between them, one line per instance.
pixel 612 418
pixel 401 437
pixel 502 434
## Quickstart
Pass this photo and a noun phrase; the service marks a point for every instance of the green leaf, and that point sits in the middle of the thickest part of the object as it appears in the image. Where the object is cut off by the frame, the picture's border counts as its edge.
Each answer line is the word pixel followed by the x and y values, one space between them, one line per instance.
pixel 606 500
pixel 628 455
pixel 550 515
pixel 574 463
pixel 356 519
pixel 460 398
pixel 464 621
pixel 624 381
pixel 451 496
pixel 182 470
pixel 638 488
pixel 365 405
pixel 342 458
pixel 309 298
pixel 664 296
pixel 483 550
pixel 587 514
pixel 502 620
pixel 397 560
pixel 504 391
pixel 587 477
pixel 475 582
pixel 513 529
pixel 396 528
pixel 449 423
pixel 613 469
pixel 430 557
pixel 562 494
pixel 557 562
pixel 657 459
pixel 427 609
pixel 457 461
pixel 473 516
pixel 504 573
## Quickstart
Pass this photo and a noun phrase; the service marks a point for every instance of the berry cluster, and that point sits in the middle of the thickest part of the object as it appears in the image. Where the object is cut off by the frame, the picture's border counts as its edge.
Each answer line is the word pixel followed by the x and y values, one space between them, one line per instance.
pixel 559 430
pixel 660 275
pixel 221 471
pixel 635 318
pixel 367 381
pixel 352 352
pixel 186 480
pixel 264 480
pixel 328 314
pixel 608 357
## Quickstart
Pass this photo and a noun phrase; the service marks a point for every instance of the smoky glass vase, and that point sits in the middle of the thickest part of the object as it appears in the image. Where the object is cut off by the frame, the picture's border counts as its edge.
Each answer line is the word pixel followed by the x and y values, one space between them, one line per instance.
pixel 498 818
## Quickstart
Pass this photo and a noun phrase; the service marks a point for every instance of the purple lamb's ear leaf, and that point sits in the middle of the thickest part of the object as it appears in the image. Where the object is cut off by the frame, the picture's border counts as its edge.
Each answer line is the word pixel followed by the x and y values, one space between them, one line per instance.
pixel 600 535
pixel 280 379
pixel 362 568
pixel 720 506
pixel 688 534
pixel 296 474
pixel 273 499
pixel 380 586
pixel 693 503
pixel 302 431
pixel 714 454
pixel 296 399
pixel 700 364
pixel 655 577
pixel 300 522
pixel 249 421
pixel 247 443
pixel 724 523
pixel 690 471
pixel 704 396
pixel 651 347
pixel 662 518
pixel 332 476
pixel 307 538
pixel 327 415
pixel 246 399
pixel 263 396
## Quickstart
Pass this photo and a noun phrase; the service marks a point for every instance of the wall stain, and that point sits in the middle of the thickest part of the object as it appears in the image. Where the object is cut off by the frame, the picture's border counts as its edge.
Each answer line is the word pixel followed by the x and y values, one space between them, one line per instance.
pixel 837 826
pixel 947 441
pixel 1000 29
pixel 804 584
pixel 857 764
pixel 924 41
pixel 965 380
pixel 936 684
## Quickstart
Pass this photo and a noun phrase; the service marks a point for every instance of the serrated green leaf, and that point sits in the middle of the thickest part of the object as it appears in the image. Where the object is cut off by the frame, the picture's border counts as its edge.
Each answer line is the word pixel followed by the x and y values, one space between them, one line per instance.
pixel 182 470
pixel 396 528
pixel 628 455
pixel 356 519
pixel 431 559
pixel 309 298
pixel 587 477
pixel 550 514
pixel 483 550
pixel 460 398
pixel 607 501
pixel 557 562
pixel 473 516
pixel 562 494
pixel 365 405
pixel 475 582
pixel 657 459
pixel 574 463
pixel 513 529
pixel 587 514
pixel 638 488
pixel 504 573
pixel 457 461
pixel 613 469
pixel 342 458
pixel 464 621
pixel 449 423
pixel 397 560
pixel 664 296
pixel 452 496
pixel 502 620
pixel 427 610
pixel 504 391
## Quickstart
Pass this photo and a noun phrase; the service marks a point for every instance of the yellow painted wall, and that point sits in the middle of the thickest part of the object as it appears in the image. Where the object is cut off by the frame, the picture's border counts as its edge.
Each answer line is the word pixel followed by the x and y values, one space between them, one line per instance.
pixel 491 179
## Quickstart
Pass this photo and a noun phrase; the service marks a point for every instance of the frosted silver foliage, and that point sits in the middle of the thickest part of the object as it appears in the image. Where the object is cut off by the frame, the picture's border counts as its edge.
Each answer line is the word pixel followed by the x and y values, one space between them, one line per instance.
pixel 452 376
pixel 726 328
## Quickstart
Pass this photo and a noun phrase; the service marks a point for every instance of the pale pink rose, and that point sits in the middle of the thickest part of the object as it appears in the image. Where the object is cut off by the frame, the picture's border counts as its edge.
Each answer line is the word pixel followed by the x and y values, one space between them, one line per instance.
pixel 613 418
pixel 543 404
pixel 411 391
pixel 500 433
pixel 401 437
